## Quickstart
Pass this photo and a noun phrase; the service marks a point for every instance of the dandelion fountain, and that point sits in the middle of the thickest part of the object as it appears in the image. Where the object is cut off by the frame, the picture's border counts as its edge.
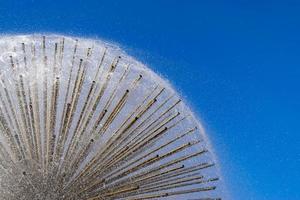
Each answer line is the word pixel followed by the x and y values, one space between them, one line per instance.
pixel 80 119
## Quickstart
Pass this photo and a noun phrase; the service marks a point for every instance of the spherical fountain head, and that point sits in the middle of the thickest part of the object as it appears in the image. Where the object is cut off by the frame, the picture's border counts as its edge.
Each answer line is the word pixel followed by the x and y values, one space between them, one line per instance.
pixel 80 119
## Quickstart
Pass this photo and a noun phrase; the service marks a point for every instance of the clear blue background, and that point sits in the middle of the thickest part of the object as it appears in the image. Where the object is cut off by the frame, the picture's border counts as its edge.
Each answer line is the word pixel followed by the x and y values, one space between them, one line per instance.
pixel 236 62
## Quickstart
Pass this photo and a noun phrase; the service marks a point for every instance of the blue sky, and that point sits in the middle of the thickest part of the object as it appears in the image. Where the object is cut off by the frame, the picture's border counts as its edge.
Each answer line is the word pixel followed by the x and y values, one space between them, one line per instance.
pixel 236 62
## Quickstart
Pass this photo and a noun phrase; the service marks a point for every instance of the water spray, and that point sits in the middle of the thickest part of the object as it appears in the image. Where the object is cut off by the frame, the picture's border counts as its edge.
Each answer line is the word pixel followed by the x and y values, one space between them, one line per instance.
pixel 80 119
